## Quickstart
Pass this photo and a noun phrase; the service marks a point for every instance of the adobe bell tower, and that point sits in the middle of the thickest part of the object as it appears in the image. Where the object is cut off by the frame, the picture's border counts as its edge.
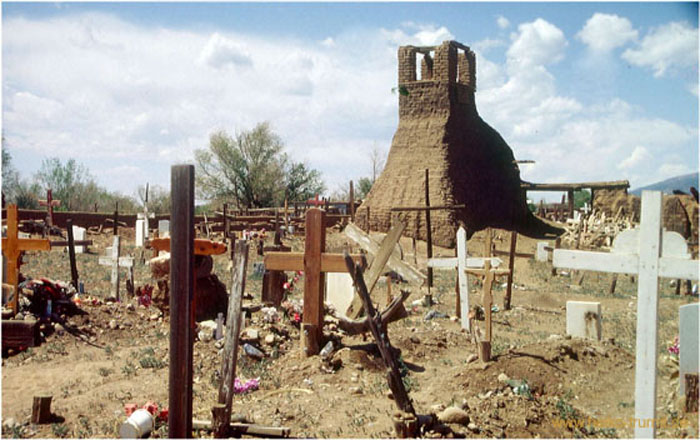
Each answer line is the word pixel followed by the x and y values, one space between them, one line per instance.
pixel 468 161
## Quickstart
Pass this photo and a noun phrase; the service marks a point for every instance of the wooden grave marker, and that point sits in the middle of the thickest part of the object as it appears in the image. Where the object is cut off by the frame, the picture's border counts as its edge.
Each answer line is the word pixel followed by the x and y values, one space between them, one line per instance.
pixel 315 262
pixel 648 252
pixel 49 203
pixel 115 261
pixel 12 247
pixel 465 265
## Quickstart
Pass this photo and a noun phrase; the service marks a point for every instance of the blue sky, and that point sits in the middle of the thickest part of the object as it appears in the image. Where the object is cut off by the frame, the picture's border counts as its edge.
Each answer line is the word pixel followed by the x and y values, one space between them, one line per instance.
pixel 590 91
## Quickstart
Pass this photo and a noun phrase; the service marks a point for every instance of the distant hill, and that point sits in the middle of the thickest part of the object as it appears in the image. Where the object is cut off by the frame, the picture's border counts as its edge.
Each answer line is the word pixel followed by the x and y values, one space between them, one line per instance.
pixel 667 186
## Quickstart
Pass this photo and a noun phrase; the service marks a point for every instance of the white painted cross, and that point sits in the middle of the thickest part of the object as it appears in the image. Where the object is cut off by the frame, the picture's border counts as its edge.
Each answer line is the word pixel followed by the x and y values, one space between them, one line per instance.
pixel 462 262
pixel 650 253
pixel 116 262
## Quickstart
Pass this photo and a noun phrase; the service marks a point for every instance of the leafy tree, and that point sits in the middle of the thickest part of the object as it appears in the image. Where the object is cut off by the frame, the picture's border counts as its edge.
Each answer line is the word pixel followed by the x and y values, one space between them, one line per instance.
pixel 10 176
pixel 363 187
pixel 303 183
pixel 65 180
pixel 581 197
pixel 251 169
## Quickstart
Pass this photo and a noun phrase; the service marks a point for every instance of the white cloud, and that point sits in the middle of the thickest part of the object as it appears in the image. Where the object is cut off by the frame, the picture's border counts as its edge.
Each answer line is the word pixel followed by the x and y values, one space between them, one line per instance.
pixel 502 22
pixel 221 51
pixel 536 43
pixel 110 94
pixel 605 32
pixel 666 48
pixel 639 154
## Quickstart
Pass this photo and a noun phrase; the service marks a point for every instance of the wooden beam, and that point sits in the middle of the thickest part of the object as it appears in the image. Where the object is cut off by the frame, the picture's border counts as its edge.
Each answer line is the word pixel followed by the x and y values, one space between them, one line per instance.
pixel 201 246
pixel 511 265
pixel 285 261
pixel 365 242
pixel 181 301
pixel 616 184
pixel 427 208
pixel 71 255
pixel 428 227
pixel 377 267
pixel 314 278
pixel 233 328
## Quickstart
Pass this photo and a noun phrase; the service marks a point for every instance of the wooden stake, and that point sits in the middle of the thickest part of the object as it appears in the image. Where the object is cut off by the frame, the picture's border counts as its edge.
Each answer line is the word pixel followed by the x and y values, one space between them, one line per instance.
pixel 41 409
pixel 181 301
pixel 116 219
pixel 511 265
pixel 233 327
pixel 352 202
pixel 691 392
pixel 71 254
pixel 427 225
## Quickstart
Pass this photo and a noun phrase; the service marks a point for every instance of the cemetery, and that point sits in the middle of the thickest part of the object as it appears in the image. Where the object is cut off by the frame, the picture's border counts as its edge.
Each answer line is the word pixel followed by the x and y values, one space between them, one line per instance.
pixel 438 306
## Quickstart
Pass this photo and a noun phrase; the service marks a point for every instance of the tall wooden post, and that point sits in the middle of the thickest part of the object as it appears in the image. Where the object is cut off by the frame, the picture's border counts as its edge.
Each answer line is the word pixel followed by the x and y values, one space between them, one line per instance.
pixel 71 254
pixel 511 264
pixel 116 219
pixel 570 196
pixel 181 301
pixel 314 281
pixel 352 202
pixel 427 225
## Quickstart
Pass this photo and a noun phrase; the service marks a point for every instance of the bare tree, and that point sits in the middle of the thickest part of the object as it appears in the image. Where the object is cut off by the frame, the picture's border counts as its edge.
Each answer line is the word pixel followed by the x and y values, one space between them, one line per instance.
pixel 377 159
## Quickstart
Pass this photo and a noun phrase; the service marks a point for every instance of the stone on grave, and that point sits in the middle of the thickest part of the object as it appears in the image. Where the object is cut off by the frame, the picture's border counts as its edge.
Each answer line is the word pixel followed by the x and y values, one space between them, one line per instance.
pixel 541 254
pixel 339 292
pixel 688 341
pixel 79 235
pixel 583 319
pixel 163 228
pixel 140 235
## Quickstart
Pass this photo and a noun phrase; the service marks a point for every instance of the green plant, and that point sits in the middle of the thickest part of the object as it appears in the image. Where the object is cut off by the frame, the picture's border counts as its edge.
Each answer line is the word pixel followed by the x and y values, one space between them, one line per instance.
pixel 56 348
pixel 83 429
pixel 129 369
pixel 59 430
pixel 151 362
pixel 566 411
pixel 104 372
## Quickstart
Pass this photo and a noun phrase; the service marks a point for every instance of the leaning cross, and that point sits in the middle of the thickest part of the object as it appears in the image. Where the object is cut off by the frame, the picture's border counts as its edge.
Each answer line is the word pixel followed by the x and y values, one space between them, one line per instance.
pixel 49 203
pixel 465 265
pixel 115 261
pixel 315 262
pixel 650 253
pixel 12 247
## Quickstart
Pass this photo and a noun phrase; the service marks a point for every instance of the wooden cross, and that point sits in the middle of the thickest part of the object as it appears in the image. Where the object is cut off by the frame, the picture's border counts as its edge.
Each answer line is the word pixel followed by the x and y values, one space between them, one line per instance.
pixel 49 203
pixel 427 208
pixel 650 253
pixel 315 201
pixel 115 261
pixel 12 247
pixel 315 262
pixel 145 215
pixel 465 265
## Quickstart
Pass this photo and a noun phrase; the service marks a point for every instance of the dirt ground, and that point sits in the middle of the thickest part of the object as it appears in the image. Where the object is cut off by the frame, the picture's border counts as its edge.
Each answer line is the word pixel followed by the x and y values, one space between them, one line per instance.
pixel 124 359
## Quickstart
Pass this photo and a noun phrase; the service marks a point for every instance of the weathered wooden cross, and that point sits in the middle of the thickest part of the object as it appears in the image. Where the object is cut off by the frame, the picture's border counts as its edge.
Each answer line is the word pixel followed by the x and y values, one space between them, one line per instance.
pixel 115 261
pixel 650 253
pixel 49 203
pixel 315 262
pixel 12 247
pixel 465 265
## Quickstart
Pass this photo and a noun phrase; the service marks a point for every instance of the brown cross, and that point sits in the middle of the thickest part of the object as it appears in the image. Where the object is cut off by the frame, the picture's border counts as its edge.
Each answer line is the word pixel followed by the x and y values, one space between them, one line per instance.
pixel 315 262
pixel 12 247
pixel 49 203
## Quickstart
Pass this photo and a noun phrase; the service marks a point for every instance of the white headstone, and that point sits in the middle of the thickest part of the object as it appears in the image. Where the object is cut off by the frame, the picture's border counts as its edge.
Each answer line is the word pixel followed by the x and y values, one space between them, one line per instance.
pixel 140 235
pixel 78 235
pixel 163 228
pixel 688 339
pixel 339 291
pixel 541 254
pixel 583 319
